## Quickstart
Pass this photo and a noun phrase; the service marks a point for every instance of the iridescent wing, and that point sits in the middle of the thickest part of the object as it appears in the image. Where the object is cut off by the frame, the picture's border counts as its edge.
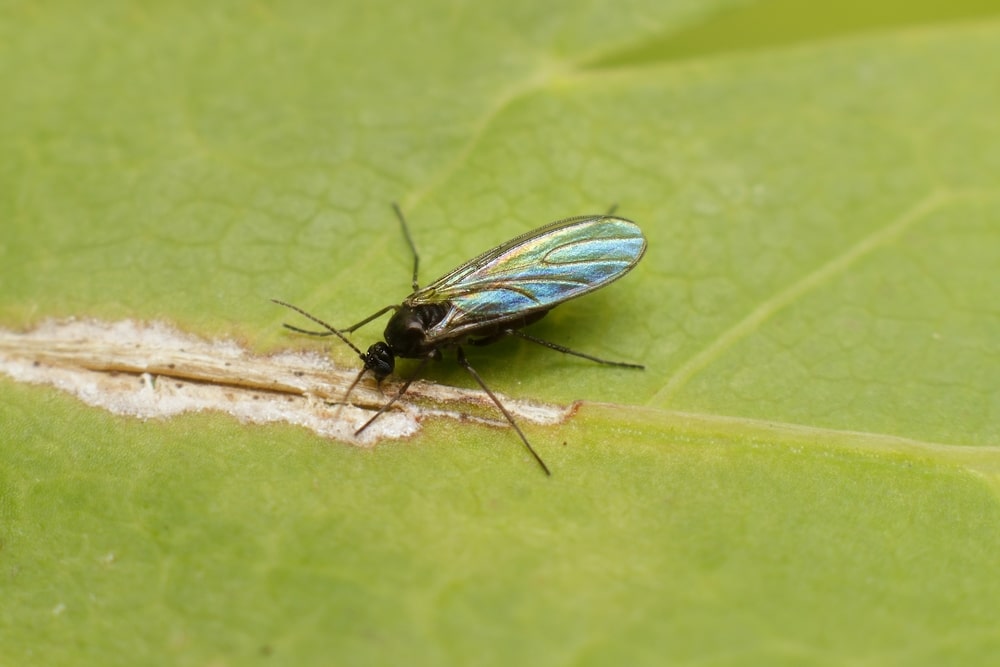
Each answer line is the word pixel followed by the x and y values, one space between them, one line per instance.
pixel 534 272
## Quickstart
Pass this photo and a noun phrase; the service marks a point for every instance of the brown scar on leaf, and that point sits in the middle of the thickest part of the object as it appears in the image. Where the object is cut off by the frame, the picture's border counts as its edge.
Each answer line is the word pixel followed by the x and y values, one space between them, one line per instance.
pixel 148 370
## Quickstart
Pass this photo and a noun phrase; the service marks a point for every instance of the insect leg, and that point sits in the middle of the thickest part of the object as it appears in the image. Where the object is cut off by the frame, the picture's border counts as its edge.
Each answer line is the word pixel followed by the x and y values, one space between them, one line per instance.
pixel 399 394
pixel 330 330
pixel 347 394
pixel 409 239
pixel 368 319
pixel 611 211
pixel 566 350
pixel 464 363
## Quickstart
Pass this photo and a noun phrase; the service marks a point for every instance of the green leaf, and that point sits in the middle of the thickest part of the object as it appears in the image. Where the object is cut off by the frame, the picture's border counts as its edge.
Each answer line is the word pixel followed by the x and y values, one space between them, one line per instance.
pixel 807 471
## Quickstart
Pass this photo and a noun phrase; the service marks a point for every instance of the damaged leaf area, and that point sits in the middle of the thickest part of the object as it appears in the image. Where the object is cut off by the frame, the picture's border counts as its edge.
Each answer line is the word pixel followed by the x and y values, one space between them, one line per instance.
pixel 152 370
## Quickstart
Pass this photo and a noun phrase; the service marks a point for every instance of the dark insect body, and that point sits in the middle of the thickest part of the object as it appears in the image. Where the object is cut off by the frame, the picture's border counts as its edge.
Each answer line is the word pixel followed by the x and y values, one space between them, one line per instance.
pixel 494 296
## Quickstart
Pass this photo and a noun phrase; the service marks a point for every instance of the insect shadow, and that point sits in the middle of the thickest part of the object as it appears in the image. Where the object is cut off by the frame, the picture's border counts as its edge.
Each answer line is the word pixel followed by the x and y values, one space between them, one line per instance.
pixel 494 296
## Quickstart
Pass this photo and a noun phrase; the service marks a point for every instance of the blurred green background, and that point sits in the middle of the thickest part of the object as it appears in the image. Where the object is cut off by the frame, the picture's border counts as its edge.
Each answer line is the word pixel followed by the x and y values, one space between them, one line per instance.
pixel 806 472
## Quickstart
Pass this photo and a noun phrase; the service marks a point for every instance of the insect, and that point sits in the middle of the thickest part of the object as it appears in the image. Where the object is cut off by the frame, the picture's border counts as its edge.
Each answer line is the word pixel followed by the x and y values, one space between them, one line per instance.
pixel 494 296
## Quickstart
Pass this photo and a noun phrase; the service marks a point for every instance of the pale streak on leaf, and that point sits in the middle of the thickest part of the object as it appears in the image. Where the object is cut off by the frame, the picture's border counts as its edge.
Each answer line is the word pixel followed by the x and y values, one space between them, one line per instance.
pixel 153 370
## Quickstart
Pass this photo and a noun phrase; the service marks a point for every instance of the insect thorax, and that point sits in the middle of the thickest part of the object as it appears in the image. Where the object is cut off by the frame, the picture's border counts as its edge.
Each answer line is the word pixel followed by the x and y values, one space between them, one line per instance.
pixel 407 328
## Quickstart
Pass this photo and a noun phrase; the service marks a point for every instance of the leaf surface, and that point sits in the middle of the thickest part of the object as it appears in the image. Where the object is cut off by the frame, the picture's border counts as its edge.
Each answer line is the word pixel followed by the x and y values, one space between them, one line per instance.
pixel 806 472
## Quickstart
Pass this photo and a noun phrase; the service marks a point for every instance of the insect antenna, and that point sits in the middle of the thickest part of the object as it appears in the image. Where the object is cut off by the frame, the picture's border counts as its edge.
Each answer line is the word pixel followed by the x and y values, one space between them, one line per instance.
pixel 330 331
pixel 464 363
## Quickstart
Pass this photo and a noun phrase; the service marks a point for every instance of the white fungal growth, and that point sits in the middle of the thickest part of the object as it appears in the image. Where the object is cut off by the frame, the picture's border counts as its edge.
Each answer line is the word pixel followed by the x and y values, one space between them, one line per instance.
pixel 153 370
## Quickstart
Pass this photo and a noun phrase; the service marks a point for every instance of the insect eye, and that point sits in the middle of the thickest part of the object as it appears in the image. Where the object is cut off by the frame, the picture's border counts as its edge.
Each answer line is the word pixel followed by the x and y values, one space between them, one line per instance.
pixel 379 360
